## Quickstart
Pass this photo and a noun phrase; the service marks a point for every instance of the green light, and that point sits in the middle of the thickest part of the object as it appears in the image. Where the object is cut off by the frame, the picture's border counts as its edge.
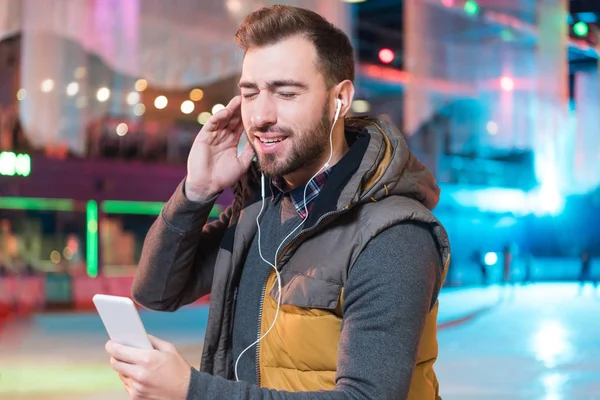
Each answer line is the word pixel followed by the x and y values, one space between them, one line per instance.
pixel 23 165
pixel 38 204
pixel 216 211
pixel 131 207
pixel 12 164
pixel 471 7
pixel 580 29
pixel 143 207
pixel 92 238
pixel 506 35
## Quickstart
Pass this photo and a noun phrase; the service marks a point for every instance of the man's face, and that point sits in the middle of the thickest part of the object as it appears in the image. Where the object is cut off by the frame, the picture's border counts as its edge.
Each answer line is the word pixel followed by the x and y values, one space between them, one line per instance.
pixel 285 106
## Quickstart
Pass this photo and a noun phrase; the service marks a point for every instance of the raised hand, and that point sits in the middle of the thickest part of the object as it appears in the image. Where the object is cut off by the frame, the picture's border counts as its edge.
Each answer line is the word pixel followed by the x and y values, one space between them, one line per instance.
pixel 213 163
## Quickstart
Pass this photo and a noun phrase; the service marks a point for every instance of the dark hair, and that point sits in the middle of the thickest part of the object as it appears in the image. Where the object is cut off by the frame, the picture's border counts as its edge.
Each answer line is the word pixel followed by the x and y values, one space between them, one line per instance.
pixel 270 25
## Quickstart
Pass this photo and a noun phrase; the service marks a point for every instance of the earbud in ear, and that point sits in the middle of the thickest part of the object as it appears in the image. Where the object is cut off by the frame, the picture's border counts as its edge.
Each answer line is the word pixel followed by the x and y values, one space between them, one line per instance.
pixel 338 109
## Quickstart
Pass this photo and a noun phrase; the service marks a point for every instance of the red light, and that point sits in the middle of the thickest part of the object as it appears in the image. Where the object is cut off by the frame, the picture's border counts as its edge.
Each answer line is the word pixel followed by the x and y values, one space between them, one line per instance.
pixel 386 56
pixel 507 84
pixel 448 3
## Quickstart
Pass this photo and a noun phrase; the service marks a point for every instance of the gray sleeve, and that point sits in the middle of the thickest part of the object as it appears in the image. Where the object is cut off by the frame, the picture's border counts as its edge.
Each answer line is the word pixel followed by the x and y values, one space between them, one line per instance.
pixel 389 292
pixel 177 261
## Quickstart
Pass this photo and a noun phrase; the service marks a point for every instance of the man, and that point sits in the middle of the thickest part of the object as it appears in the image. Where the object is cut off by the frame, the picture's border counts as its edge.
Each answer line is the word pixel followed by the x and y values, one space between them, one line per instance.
pixel 586 271
pixel 361 259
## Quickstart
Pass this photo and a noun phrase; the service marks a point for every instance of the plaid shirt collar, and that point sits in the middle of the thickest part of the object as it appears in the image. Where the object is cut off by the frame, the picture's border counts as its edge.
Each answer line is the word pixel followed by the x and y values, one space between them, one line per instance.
pixel 278 187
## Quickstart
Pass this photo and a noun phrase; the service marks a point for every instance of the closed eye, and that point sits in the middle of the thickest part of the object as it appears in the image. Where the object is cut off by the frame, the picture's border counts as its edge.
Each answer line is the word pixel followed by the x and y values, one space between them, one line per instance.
pixel 248 95
pixel 287 95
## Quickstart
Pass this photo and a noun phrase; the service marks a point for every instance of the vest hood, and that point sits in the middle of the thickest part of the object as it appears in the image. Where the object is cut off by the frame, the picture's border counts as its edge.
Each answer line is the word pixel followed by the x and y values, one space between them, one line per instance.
pixel 388 167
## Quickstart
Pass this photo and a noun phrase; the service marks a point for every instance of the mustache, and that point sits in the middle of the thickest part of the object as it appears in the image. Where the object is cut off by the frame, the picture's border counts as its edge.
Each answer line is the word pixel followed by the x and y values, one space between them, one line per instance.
pixel 271 129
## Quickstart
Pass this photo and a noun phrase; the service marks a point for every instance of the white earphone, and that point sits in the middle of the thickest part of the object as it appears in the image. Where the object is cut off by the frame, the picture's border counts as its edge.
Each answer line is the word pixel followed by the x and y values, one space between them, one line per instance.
pixel 338 109
pixel 337 114
pixel 274 264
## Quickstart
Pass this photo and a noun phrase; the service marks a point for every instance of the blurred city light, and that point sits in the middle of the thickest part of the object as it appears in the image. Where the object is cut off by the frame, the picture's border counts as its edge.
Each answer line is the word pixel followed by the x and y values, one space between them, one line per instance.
pixel 72 89
pixel 196 94
pixel 490 258
pixel 386 56
pixel 67 253
pixel 55 257
pixel 133 98
pixel 471 7
pixel 103 94
pixel 581 29
pixel 492 127
pixel 141 85
pixel 187 107
pixel 21 94
pixel 12 164
pixel 92 238
pixel 47 85
pixel 216 108
pixel 139 109
pixel 361 106
pixel 122 129
pixel 161 102
pixel 507 84
pixel 203 117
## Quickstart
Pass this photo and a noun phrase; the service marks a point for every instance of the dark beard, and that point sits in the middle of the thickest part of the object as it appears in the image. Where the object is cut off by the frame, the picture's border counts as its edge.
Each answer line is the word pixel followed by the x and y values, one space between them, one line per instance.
pixel 307 150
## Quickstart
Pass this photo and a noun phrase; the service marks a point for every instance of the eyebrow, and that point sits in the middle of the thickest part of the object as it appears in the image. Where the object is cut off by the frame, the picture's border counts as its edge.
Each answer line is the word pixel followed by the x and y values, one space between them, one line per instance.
pixel 274 84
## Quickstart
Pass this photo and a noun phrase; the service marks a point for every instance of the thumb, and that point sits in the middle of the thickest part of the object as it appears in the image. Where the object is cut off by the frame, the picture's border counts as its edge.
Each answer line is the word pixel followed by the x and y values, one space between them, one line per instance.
pixel 247 156
pixel 160 344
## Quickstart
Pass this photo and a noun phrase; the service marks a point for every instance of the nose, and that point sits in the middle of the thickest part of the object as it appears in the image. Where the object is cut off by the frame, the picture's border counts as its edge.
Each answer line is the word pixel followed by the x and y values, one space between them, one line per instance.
pixel 264 112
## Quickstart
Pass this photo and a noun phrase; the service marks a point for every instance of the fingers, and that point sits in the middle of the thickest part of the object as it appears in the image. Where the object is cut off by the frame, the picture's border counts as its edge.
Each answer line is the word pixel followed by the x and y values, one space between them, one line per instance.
pixel 235 105
pixel 217 121
pixel 127 381
pixel 221 119
pixel 247 156
pixel 234 124
pixel 161 345
pixel 125 370
pixel 134 388
pixel 127 354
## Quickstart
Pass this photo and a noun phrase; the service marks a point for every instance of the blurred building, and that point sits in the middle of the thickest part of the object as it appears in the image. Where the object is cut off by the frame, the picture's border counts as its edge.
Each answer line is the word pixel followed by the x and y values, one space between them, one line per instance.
pixel 101 100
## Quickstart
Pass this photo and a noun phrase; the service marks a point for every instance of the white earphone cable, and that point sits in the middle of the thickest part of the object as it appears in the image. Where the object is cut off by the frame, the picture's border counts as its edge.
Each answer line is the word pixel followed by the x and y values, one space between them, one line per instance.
pixel 274 265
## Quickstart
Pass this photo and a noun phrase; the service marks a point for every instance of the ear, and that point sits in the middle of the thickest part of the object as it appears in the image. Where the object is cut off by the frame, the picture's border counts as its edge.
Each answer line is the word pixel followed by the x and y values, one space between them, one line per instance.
pixel 345 92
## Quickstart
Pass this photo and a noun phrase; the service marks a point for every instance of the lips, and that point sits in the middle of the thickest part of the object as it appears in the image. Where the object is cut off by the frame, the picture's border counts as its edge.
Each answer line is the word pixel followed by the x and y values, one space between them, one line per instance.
pixel 271 144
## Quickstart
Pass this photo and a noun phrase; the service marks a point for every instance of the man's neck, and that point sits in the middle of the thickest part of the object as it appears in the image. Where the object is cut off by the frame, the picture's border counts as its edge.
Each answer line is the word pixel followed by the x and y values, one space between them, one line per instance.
pixel 340 148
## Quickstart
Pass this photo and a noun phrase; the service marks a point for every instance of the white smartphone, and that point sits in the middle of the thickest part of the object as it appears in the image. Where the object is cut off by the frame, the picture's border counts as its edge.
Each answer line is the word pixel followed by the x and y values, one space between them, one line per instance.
pixel 122 321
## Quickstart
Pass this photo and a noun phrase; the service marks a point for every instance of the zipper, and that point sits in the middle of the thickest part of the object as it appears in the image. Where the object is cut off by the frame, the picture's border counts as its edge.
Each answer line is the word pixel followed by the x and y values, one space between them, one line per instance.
pixel 264 289
pixel 280 258
pixel 260 309
pixel 235 293
pixel 230 371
